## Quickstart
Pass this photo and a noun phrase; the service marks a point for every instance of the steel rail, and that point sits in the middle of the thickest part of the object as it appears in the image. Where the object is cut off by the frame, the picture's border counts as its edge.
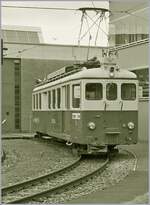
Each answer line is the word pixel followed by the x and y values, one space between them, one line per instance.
pixel 61 188
pixel 7 189
pixel 134 156
pixel 18 137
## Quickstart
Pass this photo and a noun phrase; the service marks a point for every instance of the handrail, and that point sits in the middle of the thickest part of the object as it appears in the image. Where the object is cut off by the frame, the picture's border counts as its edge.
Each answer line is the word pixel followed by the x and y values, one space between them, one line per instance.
pixel 58 77
pixel 130 44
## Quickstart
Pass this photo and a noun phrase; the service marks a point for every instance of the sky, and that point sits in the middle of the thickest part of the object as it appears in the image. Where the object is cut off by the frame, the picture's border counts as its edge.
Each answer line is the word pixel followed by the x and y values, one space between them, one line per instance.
pixel 58 27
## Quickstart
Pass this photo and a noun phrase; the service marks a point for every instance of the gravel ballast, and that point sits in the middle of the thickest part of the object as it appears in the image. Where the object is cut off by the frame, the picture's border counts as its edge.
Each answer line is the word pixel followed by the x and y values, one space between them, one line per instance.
pixel 86 166
pixel 116 171
pixel 26 159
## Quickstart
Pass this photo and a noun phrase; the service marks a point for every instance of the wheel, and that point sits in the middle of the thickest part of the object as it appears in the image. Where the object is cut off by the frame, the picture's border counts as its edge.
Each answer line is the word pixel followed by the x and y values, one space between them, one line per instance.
pixel 112 151
pixel 38 135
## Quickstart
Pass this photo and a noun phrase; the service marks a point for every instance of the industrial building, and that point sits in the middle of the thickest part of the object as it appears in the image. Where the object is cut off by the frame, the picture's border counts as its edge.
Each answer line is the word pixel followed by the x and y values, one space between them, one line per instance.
pixel 28 58
pixel 128 30
pixel 129 34
pixel 24 63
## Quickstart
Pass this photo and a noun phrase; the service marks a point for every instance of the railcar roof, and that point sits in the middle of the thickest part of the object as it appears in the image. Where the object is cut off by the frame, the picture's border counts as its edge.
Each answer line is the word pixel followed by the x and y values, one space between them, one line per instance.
pixel 94 73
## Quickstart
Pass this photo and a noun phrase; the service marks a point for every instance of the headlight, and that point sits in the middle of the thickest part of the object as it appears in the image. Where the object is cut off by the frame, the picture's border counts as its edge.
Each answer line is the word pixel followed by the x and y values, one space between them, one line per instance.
pixel 91 125
pixel 131 125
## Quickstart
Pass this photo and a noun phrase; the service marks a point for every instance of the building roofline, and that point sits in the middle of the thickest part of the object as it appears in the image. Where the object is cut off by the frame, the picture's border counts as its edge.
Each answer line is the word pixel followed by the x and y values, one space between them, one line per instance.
pixel 48 44
pixel 21 28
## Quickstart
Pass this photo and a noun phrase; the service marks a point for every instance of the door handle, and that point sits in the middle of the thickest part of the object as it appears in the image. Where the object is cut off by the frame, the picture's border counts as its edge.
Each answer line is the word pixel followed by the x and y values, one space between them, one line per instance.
pixel 121 102
pixel 105 105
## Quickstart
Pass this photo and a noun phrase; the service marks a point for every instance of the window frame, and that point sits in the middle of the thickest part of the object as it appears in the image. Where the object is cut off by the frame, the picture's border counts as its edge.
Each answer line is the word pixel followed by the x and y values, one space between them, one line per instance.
pixel 36 100
pixel 40 101
pixel 54 99
pixel 102 87
pixel 33 102
pixel 58 98
pixel 117 93
pixel 72 95
pixel 135 91
pixel 49 99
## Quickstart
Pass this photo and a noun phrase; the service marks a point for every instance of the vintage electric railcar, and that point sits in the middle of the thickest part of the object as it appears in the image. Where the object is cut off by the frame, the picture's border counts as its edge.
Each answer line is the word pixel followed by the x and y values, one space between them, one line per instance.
pixel 91 108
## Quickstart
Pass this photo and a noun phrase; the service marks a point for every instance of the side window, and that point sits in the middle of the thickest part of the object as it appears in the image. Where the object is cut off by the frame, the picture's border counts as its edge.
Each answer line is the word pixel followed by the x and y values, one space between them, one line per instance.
pixel 49 99
pixel 37 101
pixel 76 96
pixel 58 97
pixel 67 105
pixel 40 101
pixel 94 91
pixel 44 100
pixel 34 102
pixel 53 99
pixel 111 91
pixel 128 91
pixel 65 101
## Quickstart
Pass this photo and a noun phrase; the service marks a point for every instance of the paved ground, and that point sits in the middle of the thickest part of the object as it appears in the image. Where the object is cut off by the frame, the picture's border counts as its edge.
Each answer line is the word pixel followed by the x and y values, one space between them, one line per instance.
pixel 136 184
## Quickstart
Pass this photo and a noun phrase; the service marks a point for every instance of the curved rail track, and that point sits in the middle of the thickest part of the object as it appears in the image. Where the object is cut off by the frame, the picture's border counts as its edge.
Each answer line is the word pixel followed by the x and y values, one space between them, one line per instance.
pixel 134 156
pixel 53 183
pixel 56 182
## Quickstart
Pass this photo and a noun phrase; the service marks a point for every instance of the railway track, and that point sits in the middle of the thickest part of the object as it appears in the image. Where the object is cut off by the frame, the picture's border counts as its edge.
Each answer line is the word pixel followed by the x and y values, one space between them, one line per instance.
pixel 54 183
pixel 133 155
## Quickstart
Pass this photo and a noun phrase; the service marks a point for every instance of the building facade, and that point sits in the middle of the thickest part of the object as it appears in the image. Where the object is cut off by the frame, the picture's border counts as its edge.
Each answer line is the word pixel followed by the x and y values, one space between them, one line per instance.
pixel 129 35
pixel 128 21
pixel 23 64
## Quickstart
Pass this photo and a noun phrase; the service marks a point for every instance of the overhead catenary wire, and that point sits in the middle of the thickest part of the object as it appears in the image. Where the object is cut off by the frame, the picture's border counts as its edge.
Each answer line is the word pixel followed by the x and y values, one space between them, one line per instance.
pixel 107 26
pixel 93 4
pixel 94 23
pixel 101 15
pixel 129 11
pixel 88 27
pixel 44 8
pixel 132 14
pixel 97 26
pixel 82 19
pixel 90 37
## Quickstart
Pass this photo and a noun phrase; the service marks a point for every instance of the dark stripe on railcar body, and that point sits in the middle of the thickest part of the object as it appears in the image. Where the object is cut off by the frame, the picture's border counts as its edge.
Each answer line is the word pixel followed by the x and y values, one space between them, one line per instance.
pixel 111 126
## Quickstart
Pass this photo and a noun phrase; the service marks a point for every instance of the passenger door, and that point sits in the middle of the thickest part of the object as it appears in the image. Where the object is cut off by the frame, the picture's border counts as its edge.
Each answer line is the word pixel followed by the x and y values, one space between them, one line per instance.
pixel 65 109
pixel 112 101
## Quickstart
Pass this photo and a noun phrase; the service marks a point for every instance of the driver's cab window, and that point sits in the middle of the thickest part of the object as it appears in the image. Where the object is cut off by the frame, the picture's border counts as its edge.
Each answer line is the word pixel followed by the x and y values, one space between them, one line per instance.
pixel 111 91
pixel 94 91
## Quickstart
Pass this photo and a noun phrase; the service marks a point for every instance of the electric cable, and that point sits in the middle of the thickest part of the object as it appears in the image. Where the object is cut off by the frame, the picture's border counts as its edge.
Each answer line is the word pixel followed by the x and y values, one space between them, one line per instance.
pixel 101 16
pixel 44 8
pixel 88 29
pixel 100 27
pixel 82 19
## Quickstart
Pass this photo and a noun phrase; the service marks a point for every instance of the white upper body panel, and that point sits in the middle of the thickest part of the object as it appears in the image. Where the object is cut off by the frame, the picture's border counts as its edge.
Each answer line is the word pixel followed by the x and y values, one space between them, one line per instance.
pixel 93 73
